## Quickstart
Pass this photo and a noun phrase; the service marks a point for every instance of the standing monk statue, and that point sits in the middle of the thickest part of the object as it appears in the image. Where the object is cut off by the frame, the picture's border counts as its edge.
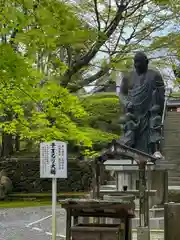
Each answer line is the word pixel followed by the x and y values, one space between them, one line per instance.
pixel 142 95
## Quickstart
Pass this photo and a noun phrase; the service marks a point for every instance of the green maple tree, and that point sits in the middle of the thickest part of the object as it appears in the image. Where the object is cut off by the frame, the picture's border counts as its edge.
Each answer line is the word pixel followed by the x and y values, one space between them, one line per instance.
pixel 28 109
pixel 48 46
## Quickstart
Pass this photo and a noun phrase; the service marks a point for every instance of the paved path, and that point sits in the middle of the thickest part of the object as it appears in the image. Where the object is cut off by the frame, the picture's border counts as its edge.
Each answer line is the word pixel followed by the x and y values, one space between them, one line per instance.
pixel 14 222
pixel 23 224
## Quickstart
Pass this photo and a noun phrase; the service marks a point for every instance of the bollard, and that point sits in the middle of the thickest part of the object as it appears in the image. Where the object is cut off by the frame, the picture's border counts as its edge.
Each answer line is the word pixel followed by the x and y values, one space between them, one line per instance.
pixel 171 221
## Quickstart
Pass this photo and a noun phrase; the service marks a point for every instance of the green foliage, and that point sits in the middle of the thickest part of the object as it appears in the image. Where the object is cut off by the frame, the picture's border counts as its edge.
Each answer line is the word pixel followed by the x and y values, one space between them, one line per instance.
pixel 103 111
pixel 171 40
pixel 47 43
pixel 175 95
pixel 24 203
pixel 99 137
pixel 62 43
pixel 101 124
pixel 32 106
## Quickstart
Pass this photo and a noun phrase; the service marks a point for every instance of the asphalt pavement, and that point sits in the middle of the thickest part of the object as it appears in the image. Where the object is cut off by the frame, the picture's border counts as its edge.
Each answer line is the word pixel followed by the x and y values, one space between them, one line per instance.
pixel 35 224
pixel 30 223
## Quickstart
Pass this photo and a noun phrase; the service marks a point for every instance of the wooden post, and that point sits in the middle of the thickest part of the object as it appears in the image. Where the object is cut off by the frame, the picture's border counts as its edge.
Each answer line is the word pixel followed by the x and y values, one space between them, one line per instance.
pixel 142 194
pixel 143 232
pixel 98 177
pixel 165 200
pixel 94 179
pixel 117 181
pixel 171 221
pixel 68 224
pixel 128 229
pixel 75 220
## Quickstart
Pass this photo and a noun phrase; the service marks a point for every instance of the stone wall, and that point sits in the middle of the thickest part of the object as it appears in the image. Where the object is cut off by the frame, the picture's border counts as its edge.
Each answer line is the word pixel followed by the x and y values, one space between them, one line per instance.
pixel 25 176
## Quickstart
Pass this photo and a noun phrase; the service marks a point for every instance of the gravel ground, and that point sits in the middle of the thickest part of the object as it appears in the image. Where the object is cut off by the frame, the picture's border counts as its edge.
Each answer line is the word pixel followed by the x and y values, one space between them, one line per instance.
pixel 14 222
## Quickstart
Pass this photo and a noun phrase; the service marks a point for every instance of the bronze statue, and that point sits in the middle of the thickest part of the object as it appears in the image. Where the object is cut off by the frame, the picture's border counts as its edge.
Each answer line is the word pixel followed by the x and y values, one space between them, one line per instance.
pixel 155 128
pixel 130 124
pixel 140 90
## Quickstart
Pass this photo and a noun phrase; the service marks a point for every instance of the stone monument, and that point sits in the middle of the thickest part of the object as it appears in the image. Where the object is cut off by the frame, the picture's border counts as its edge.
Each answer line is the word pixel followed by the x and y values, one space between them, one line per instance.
pixel 142 95
pixel 5 185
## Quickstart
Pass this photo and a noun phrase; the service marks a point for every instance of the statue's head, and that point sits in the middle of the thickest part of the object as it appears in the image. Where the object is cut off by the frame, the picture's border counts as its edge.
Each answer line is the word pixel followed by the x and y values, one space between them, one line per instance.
pixel 141 62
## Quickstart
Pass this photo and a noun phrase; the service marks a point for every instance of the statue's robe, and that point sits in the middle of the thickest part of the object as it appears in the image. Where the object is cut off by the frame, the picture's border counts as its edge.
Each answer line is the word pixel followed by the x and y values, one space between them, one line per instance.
pixel 143 92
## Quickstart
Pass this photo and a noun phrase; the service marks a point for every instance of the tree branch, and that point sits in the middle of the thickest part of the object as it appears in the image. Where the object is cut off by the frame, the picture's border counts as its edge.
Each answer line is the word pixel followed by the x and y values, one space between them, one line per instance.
pixel 120 35
pixel 97 14
pixel 87 81
pixel 83 61
pixel 109 10
pixel 69 55
pixel 106 69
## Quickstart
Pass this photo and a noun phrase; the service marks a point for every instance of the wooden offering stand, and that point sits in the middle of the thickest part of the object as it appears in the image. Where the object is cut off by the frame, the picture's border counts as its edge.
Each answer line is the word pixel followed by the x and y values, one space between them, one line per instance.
pixel 121 209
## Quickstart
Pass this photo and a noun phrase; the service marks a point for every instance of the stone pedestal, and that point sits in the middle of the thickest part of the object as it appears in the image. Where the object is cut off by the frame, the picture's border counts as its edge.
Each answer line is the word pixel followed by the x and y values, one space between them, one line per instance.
pixel 171 221
pixel 159 182
pixel 143 233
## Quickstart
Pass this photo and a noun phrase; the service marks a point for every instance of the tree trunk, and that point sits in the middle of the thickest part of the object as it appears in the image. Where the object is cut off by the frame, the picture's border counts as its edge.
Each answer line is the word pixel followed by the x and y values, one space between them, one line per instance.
pixel 17 143
pixel 7 145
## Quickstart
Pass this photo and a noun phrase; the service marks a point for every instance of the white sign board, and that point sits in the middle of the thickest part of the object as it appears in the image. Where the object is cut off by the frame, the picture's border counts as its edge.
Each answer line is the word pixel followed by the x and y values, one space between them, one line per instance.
pixel 53 159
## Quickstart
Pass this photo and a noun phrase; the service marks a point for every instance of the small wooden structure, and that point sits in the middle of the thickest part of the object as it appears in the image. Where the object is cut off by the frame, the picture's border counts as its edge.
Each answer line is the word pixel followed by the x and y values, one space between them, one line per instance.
pixel 118 152
pixel 127 180
pixel 122 209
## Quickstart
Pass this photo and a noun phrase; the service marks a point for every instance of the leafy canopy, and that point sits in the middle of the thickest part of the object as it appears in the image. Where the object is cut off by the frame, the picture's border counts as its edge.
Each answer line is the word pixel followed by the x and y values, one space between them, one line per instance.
pixel 48 45
pixel 32 106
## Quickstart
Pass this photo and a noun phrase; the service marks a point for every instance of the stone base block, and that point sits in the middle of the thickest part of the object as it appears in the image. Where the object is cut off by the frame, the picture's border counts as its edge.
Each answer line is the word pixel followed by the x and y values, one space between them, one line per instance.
pixel 143 233
pixel 155 223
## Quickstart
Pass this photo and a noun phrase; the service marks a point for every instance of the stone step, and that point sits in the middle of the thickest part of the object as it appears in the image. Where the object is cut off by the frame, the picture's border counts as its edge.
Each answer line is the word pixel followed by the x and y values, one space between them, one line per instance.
pixel 111 182
pixel 108 187
pixel 168 166
pixel 153 212
pixel 154 223
pixel 173 182
pixel 174 171
pixel 172 126
pixel 167 161
pixel 174 188
pixel 174 177
pixel 155 234
pixel 171 177
pixel 170 144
